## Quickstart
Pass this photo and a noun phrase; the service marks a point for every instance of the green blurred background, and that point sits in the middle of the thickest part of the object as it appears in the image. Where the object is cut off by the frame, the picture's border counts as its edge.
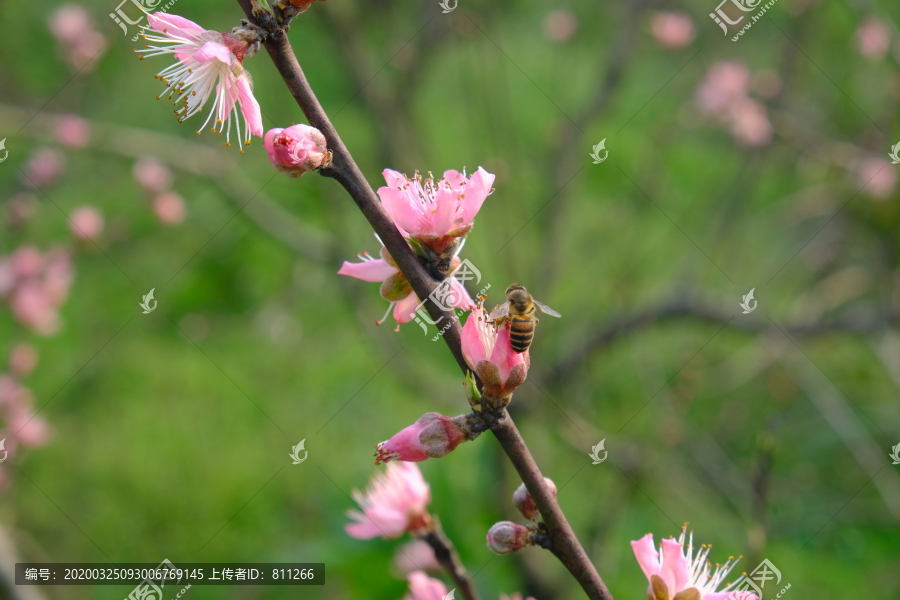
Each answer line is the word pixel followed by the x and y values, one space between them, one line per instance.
pixel 768 432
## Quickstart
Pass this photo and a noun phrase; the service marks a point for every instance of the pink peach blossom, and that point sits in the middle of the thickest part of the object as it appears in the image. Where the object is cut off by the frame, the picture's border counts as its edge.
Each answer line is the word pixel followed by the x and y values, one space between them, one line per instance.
pixel 44 167
pixel 152 175
pixel 672 30
pixel 72 131
pixel 878 176
pixel 169 208
pixel 507 537
pixel 433 211
pixel 297 149
pixel 432 436
pixel 73 27
pixel 394 287
pixel 36 286
pixel 423 587
pixel 203 58
pixel 873 38
pixel 86 222
pixel 395 502
pixel 29 429
pixel 489 353
pixel 676 568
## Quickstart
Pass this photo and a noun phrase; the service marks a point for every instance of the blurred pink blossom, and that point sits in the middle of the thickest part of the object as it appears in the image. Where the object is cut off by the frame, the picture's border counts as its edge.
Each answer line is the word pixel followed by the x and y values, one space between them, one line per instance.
pixel 36 286
pixel 672 30
pixel 515 596
pixel 16 404
pixel 560 25
pixel 416 555
pixel 23 359
pixel 72 131
pixel 749 123
pixel 86 222
pixel 28 429
pixel 152 175
pixel 44 167
pixel 73 27
pixel 677 568
pixel 169 208
pixel 297 149
pixel 20 208
pixel 725 84
pixel 878 176
pixel 873 38
pixel 395 502
pixel 423 587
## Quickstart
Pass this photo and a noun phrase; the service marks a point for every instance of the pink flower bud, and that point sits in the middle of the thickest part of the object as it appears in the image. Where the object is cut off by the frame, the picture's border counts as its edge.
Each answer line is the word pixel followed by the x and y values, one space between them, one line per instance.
pixel 152 175
pixel 86 222
pixel 297 149
pixel 525 503
pixel 506 537
pixel 432 436
pixel 72 131
pixel 169 208
pixel 44 167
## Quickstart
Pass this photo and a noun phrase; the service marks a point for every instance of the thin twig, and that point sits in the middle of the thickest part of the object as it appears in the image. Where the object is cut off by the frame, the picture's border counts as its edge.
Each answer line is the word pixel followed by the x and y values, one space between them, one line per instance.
pixel 447 557
pixel 343 169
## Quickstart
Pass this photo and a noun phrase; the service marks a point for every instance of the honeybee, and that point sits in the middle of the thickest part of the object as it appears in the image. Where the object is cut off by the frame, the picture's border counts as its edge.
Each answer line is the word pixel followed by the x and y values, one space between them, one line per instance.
pixel 519 313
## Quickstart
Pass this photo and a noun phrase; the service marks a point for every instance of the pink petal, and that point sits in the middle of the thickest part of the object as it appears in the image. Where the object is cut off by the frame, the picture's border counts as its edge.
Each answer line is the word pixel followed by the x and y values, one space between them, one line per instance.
pixel 646 555
pixel 249 106
pixel 478 188
pixel 406 307
pixel 732 595
pixel 175 25
pixel 269 145
pixel 368 270
pixel 504 356
pixel 461 297
pixel 213 51
pixel 405 212
pixel 393 178
pixel 455 179
pixel 472 347
pixel 447 207
pixel 674 570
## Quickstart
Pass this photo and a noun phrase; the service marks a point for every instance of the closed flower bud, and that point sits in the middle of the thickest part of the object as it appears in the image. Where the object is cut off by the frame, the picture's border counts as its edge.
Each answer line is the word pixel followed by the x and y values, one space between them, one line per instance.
pixel 432 436
pixel 525 503
pixel 297 149
pixel 506 537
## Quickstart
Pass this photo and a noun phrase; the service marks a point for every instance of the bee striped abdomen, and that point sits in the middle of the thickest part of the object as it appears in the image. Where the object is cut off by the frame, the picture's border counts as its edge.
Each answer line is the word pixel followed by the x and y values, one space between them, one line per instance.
pixel 521 332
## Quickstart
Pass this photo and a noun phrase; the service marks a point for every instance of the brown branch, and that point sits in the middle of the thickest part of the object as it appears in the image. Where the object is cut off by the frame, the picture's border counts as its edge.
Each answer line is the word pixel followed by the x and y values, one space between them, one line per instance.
pixel 343 169
pixel 621 326
pixel 447 557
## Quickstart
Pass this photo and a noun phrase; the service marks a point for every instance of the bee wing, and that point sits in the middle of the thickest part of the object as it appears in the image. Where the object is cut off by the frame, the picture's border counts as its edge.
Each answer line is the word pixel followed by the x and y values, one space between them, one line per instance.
pixel 500 311
pixel 546 309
